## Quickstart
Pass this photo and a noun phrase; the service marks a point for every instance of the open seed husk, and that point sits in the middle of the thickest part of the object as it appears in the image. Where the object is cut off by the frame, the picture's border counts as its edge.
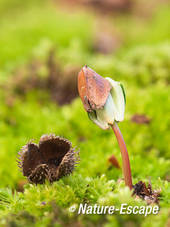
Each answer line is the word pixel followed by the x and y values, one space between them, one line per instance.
pixel 51 159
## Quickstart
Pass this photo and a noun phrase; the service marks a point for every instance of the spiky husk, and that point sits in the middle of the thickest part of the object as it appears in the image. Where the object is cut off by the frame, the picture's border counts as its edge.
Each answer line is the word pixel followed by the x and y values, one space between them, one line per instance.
pixel 50 160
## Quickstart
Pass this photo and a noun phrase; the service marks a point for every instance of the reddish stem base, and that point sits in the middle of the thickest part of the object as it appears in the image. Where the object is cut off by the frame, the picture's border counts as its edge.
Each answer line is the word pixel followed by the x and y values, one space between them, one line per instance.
pixel 125 156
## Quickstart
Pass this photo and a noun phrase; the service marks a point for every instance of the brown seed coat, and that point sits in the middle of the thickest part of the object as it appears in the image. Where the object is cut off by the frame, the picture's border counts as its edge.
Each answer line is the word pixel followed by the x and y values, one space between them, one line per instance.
pixel 93 89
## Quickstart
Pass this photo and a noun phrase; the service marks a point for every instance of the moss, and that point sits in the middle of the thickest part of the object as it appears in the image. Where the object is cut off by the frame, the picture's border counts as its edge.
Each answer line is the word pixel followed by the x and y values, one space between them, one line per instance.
pixel 144 72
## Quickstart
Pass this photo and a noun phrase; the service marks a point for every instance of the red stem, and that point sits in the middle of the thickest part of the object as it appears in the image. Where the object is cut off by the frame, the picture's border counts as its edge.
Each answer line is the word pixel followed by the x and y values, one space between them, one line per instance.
pixel 125 156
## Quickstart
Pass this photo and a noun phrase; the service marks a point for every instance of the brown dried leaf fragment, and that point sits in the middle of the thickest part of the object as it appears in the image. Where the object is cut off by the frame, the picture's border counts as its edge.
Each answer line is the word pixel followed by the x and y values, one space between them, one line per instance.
pixel 50 160
pixel 146 193
pixel 140 119
pixel 113 161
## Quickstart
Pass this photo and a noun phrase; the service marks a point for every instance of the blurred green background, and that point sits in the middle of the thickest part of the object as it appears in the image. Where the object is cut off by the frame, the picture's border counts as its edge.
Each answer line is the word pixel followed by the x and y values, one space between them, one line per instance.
pixel 43 45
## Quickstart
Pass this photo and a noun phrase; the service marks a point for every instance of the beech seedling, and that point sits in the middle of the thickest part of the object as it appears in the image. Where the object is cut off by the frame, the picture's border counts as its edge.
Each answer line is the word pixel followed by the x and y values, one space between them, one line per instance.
pixel 104 100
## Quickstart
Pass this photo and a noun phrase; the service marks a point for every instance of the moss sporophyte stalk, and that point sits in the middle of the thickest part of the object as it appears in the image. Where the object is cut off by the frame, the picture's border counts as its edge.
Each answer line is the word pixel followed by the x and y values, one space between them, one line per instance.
pixel 104 100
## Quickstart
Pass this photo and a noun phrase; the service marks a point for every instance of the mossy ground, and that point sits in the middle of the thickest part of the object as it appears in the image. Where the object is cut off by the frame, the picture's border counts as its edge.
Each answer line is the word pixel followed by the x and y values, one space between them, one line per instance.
pixel 142 64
